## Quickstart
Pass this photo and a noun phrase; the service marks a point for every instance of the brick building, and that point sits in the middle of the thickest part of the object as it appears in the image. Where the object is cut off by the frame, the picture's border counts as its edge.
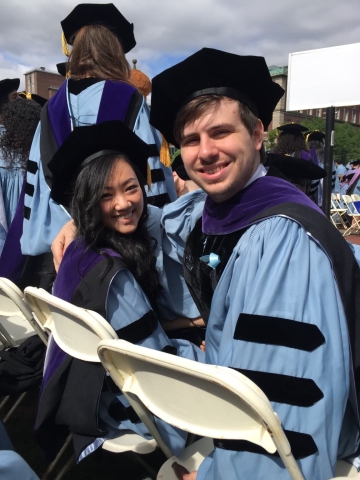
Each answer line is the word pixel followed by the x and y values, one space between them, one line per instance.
pixel 350 114
pixel 43 82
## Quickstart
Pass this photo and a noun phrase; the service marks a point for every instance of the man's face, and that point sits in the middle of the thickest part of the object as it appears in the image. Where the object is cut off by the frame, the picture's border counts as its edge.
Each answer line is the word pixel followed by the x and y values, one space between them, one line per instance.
pixel 219 153
pixel 13 96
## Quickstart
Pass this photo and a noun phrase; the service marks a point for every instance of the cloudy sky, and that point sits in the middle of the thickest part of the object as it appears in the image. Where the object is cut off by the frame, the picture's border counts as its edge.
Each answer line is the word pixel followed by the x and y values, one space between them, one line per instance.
pixel 169 30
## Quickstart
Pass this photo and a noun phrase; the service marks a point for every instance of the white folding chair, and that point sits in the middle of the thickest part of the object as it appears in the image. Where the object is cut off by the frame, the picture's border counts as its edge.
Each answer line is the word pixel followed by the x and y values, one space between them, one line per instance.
pixel 16 325
pixel 353 213
pixel 337 213
pixel 78 331
pixel 17 322
pixel 206 400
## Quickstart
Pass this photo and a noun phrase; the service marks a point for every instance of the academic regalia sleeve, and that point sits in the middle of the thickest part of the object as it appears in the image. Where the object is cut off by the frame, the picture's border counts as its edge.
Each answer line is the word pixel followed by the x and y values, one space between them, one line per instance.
pixel 43 218
pixel 163 182
pixel 14 467
pixel 279 281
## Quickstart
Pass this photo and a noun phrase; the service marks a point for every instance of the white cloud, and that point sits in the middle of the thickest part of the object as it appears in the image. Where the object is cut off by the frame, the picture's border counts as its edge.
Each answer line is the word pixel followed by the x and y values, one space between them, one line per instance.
pixel 167 29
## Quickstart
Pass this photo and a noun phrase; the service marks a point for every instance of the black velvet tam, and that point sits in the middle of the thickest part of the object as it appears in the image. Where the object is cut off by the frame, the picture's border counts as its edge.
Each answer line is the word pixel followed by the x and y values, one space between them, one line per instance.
pixel 178 167
pixel 99 14
pixel 210 71
pixel 8 85
pixel 315 135
pixel 293 128
pixel 293 167
pixel 61 68
pixel 85 144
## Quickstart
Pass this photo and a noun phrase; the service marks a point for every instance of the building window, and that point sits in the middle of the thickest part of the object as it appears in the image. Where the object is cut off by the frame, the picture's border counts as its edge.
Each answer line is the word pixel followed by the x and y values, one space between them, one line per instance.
pixel 354 112
pixel 308 112
pixel 337 113
pixel 29 84
pixel 318 112
pixel 346 117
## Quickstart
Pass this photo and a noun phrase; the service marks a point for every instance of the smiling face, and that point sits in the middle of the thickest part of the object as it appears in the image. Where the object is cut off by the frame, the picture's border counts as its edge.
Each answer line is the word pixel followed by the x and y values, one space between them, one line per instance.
pixel 218 151
pixel 122 202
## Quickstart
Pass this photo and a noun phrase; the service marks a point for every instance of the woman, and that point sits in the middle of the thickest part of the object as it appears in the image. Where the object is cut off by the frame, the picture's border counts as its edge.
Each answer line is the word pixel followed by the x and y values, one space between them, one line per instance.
pixel 111 268
pixel 98 90
pixel 291 141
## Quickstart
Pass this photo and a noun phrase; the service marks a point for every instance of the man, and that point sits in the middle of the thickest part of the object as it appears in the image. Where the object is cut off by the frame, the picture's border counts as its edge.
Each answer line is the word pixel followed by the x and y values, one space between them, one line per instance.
pixel 273 308
pixel 340 173
pixel 8 91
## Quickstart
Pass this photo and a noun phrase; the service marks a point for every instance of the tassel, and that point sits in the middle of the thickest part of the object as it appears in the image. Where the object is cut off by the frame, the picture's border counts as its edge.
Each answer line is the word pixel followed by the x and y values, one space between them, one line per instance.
pixel 148 176
pixel 64 45
pixel 165 153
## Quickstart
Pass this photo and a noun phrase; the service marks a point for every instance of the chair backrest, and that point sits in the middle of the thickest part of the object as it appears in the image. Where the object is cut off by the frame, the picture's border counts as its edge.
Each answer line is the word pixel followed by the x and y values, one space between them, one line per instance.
pixel 355 197
pixel 77 331
pixel 206 400
pixel 16 319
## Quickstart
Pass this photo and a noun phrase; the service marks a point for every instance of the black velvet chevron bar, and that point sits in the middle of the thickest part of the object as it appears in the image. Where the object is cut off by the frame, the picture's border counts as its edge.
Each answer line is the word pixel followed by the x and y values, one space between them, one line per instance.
pixel 278 331
pixel 140 329
pixel 31 166
pixel 29 189
pixel 157 175
pixel 27 213
pixel 302 445
pixel 302 392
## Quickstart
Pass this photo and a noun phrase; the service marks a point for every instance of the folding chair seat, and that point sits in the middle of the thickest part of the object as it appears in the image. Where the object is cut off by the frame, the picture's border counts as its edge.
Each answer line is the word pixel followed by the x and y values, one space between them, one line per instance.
pixel 353 213
pixel 77 332
pixel 17 323
pixel 206 400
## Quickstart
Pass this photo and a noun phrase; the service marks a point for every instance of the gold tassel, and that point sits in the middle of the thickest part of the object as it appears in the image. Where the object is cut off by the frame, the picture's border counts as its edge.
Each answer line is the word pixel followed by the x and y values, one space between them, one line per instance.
pixel 64 45
pixel 148 176
pixel 165 152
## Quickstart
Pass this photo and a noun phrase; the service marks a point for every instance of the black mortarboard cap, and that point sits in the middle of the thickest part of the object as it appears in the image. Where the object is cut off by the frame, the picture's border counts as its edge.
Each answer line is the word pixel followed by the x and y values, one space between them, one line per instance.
pixel 99 14
pixel 315 135
pixel 8 85
pixel 292 128
pixel 178 167
pixel 210 71
pixel 85 144
pixel 294 167
pixel 61 68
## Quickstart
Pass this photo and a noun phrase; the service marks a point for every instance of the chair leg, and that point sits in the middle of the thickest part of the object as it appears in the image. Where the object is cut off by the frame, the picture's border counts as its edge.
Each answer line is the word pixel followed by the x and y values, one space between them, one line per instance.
pixel 57 459
pixel 14 407
pixel 68 465
pixel 4 402
pixel 144 464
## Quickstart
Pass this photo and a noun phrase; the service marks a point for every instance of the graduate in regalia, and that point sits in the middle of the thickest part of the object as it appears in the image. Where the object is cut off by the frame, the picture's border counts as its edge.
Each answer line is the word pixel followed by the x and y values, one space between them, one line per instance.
pixel 264 266
pixel 111 268
pixel 98 90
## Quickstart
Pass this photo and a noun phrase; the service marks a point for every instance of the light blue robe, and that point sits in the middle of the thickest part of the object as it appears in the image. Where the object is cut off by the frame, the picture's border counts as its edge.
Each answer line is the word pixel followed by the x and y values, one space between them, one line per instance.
pixel 48 217
pixel 277 270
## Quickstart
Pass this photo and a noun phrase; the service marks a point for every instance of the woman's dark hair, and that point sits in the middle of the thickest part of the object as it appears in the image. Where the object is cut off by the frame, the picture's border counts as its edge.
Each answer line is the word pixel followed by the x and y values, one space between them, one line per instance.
pixel 137 248
pixel 288 143
pixel 19 119
pixel 98 53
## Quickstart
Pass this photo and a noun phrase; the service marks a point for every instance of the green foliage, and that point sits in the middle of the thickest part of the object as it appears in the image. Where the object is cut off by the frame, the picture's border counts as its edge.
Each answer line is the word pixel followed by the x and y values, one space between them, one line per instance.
pixel 272 134
pixel 315 123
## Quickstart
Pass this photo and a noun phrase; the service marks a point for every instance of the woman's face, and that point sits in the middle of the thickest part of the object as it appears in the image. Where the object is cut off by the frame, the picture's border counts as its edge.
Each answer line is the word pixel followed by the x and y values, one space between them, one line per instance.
pixel 122 201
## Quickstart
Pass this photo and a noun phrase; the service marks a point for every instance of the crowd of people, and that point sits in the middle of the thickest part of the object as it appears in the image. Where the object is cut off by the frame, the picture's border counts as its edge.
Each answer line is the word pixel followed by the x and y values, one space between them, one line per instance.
pixel 226 258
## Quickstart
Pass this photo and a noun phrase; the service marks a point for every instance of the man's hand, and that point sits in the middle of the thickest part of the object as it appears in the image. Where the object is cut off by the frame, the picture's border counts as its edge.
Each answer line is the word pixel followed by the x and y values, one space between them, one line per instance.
pixel 62 241
pixel 182 473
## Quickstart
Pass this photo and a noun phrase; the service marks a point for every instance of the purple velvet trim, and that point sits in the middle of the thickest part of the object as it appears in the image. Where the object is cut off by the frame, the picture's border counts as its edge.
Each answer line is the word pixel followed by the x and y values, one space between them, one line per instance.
pixel 59 115
pixel 305 155
pixel 114 105
pixel 12 261
pixel 115 101
pixel 237 212
pixel 77 262
pixel 314 156
pixel 54 358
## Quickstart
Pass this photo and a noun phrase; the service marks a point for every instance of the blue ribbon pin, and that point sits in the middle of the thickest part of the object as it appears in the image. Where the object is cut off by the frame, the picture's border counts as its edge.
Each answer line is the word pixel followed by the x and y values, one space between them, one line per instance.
pixel 212 260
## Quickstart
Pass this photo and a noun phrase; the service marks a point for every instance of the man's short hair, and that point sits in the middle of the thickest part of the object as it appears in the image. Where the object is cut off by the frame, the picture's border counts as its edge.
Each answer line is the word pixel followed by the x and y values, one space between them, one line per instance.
pixel 199 105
